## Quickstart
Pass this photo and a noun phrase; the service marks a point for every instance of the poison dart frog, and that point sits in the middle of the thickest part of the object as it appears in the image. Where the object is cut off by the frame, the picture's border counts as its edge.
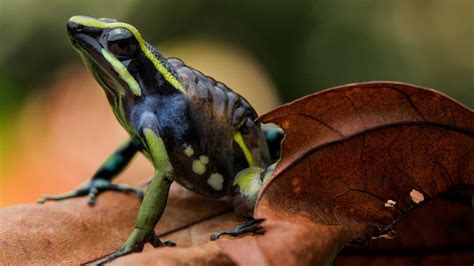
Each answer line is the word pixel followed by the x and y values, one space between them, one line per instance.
pixel 194 130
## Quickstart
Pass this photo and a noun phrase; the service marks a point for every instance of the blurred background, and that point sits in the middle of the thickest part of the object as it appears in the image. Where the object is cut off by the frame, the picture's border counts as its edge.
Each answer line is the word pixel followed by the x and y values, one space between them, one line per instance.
pixel 56 126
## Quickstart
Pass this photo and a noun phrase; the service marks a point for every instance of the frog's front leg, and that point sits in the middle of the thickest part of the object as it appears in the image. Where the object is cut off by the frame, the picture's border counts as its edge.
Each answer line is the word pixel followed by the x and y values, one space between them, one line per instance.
pixel 150 212
pixel 154 202
pixel 101 181
pixel 247 185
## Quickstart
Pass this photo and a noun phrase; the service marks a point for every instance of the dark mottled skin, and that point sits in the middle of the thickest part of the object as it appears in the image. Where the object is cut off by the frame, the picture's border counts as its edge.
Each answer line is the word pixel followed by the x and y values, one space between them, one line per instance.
pixel 214 113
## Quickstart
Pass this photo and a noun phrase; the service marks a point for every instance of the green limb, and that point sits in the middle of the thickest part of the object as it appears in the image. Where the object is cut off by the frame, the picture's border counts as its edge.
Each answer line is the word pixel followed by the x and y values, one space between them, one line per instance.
pixel 250 226
pixel 151 209
pixel 101 181
pixel 247 184
pixel 125 250
pixel 154 202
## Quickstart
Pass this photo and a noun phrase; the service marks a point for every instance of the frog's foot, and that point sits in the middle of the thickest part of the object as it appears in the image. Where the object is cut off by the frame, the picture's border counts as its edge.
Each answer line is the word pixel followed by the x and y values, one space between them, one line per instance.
pixel 123 250
pixel 127 248
pixel 92 188
pixel 157 243
pixel 250 226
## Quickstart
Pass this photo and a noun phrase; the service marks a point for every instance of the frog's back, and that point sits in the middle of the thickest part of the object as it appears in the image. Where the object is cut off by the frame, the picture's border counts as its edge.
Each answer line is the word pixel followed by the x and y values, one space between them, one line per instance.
pixel 216 114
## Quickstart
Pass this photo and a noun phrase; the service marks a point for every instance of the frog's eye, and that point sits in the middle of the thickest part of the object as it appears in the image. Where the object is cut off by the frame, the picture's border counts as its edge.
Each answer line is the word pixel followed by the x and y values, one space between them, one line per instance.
pixel 122 43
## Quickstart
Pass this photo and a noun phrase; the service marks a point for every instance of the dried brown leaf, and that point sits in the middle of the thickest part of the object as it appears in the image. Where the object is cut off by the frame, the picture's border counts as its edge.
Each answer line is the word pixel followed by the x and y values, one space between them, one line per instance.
pixel 71 232
pixel 439 233
pixel 360 157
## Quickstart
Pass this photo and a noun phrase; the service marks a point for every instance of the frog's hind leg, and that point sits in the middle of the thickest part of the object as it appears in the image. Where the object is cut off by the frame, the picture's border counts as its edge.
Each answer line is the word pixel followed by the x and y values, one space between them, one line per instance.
pixel 247 184
pixel 250 226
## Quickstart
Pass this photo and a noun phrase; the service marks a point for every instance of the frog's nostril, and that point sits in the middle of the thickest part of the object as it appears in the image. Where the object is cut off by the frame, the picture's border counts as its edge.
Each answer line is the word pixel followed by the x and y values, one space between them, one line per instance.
pixel 73 27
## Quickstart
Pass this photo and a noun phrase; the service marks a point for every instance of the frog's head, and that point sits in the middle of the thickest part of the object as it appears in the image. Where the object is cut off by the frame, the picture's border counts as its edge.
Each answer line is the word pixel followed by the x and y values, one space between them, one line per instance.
pixel 118 57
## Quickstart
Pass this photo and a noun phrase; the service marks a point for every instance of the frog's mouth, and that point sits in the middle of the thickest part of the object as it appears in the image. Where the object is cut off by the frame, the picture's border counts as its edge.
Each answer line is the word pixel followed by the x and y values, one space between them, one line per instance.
pixel 104 78
pixel 102 71
pixel 90 51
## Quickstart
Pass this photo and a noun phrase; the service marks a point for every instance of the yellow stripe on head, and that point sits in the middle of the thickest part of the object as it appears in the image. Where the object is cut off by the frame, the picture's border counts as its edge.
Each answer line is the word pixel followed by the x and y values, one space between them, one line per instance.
pixel 91 22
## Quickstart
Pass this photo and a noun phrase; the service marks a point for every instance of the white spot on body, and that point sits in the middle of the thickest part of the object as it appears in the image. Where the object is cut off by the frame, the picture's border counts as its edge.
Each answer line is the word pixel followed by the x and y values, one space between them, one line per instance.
pixel 216 181
pixel 390 203
pixel 188 150
pixel 198 167
pixel 416 196
pixel 204 159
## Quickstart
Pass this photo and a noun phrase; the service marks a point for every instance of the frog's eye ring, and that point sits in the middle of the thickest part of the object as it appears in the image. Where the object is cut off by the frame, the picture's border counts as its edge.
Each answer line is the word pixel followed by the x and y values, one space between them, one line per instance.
pixel 122 43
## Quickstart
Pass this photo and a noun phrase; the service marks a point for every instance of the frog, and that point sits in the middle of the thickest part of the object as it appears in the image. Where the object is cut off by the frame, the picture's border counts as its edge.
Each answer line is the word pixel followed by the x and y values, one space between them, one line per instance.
pixel 193 129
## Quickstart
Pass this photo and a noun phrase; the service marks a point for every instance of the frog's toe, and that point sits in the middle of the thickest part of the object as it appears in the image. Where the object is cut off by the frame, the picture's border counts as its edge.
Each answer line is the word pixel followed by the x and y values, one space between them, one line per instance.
pixel 124 250
pixel 102 185
pixel 250 226
pixel 127 189
pixel 169 243
pixel 69 195
pixel 43 199
pixel 92 196
pixel 156 242
pixel 92 189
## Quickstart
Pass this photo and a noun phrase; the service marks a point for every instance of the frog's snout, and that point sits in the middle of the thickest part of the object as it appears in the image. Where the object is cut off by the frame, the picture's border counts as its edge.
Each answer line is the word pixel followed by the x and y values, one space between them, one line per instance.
pixel 73 27
pixel 78 24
